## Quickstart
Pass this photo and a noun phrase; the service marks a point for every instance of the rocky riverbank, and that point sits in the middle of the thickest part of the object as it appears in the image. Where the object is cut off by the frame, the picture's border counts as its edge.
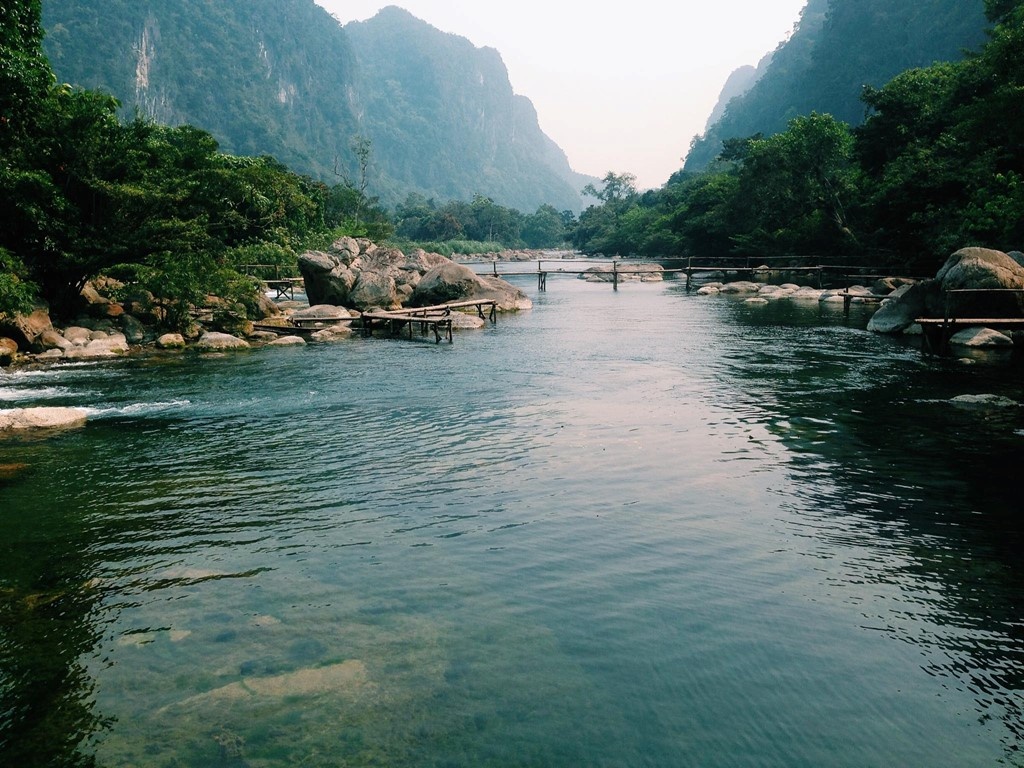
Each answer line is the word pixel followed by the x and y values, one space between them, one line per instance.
pixel 351 277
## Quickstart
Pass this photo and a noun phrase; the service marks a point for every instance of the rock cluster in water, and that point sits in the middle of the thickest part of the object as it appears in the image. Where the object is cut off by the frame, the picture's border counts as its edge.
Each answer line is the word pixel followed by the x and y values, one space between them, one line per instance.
pixel 907 300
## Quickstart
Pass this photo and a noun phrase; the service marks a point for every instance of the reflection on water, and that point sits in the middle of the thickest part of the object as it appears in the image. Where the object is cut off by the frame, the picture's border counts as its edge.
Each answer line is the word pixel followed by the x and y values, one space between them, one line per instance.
pixel 627 528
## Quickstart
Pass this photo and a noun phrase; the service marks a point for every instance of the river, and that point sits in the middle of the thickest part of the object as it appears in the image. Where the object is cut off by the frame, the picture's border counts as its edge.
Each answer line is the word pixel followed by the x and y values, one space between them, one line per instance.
pixel 627 528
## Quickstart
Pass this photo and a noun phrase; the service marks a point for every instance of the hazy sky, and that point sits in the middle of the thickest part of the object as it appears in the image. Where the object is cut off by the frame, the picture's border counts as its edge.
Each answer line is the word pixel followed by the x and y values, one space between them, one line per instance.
pixel 619 86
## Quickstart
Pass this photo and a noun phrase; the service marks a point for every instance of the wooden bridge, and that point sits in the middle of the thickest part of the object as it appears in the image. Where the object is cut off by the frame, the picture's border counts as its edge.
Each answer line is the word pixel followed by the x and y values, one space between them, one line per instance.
pixel 437 318
pixel 937 331
pixel 623 270
pixel 284 286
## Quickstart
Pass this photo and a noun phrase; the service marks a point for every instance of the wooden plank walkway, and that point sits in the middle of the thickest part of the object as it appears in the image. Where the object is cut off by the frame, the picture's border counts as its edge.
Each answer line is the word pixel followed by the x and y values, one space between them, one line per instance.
pixel 937 331
pixel 437 318
pixel 621 271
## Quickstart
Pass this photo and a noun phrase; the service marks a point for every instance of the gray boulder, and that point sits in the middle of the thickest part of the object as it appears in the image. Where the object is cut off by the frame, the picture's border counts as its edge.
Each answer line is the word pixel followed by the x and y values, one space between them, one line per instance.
pixel 212 341
pixel 327 278
pixel 322 312
pixel 446 282
pixel 78 335
pixel 740 286
pixel 288 341
pixel 980 337
pixel 375 289
pixel 983 268
pixel 52 339
pixel 449 282
pixel 133 329
pixel 171 341
pixel 898 312
pixel 112 345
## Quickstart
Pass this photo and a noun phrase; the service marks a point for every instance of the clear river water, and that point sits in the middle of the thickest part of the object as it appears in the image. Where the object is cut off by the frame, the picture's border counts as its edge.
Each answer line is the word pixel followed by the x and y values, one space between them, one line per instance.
pixel 632 528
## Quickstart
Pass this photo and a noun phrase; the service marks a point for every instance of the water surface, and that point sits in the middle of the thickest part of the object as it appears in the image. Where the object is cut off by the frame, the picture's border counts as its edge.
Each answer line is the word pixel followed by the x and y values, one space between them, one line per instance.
pixel 632 528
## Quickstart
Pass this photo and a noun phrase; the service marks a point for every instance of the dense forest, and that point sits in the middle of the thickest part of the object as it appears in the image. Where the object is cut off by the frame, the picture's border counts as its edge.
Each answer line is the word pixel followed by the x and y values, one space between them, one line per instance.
pixel 937 165
pixel 85 190
pixel 837 48
pixel 284 78
pixel 84 193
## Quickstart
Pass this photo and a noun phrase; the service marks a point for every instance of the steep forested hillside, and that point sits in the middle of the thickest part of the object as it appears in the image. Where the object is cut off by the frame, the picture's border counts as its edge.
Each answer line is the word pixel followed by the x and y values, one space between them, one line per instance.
pixel 839 47
pixel 282 77
pixel 230 67
pixel 435 95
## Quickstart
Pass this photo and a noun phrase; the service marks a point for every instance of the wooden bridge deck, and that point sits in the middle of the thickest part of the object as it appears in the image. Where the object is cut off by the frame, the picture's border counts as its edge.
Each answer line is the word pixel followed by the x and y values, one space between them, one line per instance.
pixel 437 318
pixel 937 331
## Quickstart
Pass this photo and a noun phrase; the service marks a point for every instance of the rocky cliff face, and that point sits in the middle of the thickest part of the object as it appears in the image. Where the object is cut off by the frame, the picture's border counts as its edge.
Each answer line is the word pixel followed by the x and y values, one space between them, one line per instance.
pixel 839 47
pixel 282 77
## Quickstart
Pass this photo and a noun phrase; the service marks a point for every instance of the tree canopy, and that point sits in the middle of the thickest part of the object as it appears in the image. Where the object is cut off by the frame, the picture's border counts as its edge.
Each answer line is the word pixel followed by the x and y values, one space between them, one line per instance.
pixel 936 165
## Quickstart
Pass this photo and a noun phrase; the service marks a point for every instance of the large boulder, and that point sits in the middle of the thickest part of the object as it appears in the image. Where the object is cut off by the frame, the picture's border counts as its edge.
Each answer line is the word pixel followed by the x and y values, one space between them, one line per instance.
pixel 359 274
pixel 968 268
pixel 446 282
pixel 327 278
pixel 134 330
pixel 41 418
pixel 906 304
pixel 508 297
pixel 26 329
pixel 983 268
pixel 981 337
pixel 449 282
pixel 375 289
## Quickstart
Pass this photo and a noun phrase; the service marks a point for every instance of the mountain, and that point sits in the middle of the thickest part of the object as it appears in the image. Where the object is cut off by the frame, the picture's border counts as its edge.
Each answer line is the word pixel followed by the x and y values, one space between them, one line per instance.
pixel 435 95
pixel 284 78
pixel 838 47
pixel 738 83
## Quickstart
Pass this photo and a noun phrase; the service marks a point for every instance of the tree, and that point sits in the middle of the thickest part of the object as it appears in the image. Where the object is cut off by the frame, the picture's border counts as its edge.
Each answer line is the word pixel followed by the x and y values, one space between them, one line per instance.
pixel 544 229
pixel 615 188
pixel 793 188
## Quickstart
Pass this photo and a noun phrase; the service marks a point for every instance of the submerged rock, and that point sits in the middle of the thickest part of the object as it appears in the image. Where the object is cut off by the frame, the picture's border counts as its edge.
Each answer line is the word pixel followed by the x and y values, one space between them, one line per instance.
pixel 347 677
pixel 984 401
pixel 41 418
pixel 980 337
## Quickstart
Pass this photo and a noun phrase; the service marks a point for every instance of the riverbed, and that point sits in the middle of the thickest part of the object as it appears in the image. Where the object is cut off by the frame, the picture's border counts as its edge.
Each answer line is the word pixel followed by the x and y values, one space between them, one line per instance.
pixel 627 528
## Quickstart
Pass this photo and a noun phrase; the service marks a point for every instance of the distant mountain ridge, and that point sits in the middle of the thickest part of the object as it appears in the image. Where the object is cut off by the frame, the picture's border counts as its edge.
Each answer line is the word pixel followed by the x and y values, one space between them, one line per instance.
pixel 839 47
pixel 282 77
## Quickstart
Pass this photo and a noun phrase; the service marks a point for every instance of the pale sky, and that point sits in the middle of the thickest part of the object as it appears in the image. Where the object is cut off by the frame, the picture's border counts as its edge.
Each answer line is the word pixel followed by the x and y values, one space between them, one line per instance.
pixel 619 86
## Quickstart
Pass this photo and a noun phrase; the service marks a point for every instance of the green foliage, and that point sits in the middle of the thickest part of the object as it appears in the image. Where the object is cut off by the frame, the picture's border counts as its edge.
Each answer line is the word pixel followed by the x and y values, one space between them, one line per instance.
pixel 937 165
pixel 84 193
pixel 282 78
pixel 17 294
pixel 793 188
